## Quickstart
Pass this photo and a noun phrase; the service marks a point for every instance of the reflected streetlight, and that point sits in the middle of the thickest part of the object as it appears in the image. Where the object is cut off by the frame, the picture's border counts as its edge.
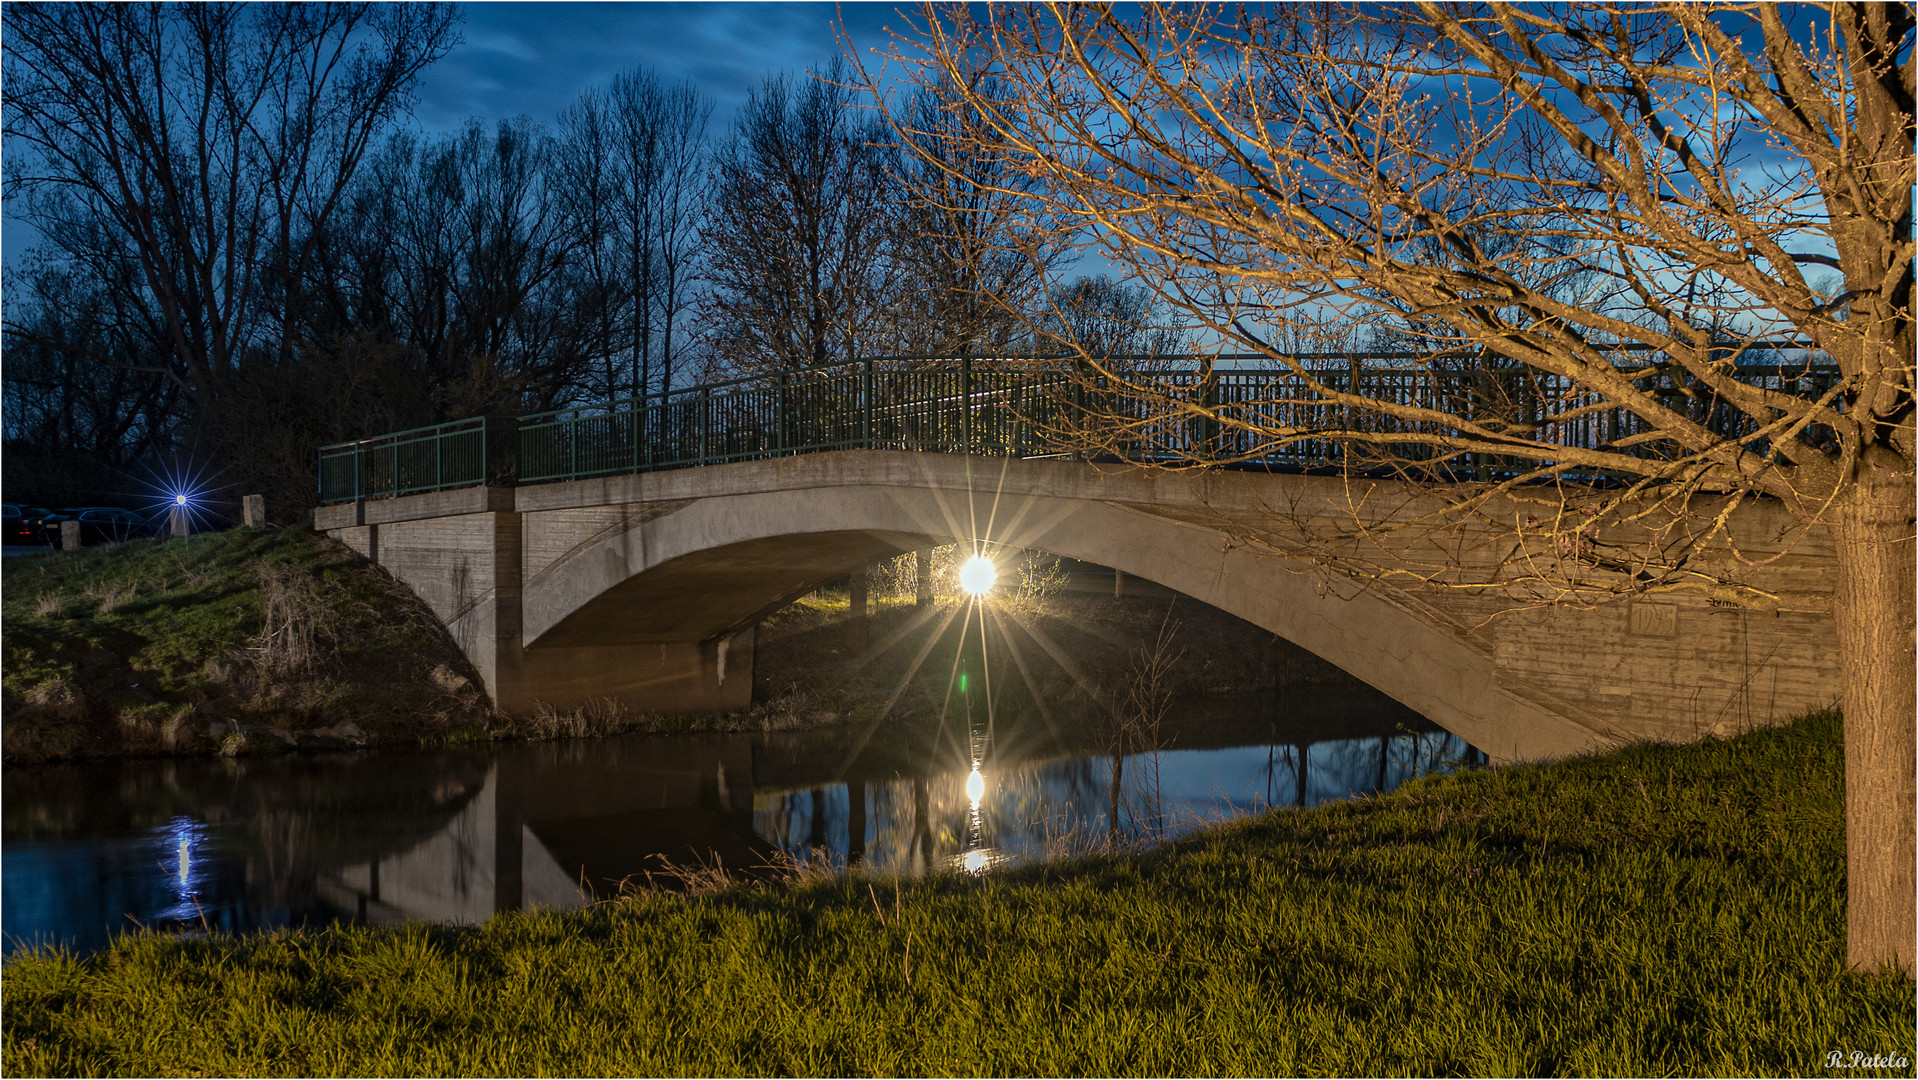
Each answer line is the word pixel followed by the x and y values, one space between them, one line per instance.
pixel 974 856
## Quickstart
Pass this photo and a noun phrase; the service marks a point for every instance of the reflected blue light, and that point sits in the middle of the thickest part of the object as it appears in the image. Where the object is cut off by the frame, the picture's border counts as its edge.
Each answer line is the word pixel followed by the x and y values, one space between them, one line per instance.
pixel 182 840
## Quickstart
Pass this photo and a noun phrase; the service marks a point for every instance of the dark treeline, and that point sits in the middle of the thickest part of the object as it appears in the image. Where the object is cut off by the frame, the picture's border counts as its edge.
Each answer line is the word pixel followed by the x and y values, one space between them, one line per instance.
pixel 247 252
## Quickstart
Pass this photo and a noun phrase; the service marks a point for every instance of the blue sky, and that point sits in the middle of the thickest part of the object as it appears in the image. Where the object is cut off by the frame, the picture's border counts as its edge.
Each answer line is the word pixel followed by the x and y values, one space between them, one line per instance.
pixel 536 58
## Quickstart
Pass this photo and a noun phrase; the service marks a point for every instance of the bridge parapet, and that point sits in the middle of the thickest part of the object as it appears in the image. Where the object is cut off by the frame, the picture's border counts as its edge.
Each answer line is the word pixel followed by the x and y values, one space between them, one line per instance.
pixel 1225 410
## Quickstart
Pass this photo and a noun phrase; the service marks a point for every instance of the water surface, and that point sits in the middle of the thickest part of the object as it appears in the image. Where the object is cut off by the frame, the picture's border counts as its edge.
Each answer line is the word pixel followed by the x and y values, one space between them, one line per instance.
pixel 457 835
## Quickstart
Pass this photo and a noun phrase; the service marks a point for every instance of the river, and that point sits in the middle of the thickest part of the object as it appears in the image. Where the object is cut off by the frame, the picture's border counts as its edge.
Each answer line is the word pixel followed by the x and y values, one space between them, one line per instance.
pixel 90 850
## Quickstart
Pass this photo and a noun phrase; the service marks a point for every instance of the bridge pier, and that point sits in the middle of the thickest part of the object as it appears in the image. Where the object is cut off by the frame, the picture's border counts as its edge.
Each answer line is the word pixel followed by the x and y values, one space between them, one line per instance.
pixel 858 632
pixel 468 568
pixel 676 676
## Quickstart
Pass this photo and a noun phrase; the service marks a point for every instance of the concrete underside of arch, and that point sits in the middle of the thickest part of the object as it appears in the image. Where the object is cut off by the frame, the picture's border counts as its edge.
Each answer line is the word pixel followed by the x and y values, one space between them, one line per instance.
pixel 646 588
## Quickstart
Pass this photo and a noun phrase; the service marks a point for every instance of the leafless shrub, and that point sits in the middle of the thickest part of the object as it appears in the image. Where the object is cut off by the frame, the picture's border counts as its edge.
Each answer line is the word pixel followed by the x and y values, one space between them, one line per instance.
pixel 893 578
pixel 295 620
pixel 59 699
pixel 1040 576
pixel 1136 722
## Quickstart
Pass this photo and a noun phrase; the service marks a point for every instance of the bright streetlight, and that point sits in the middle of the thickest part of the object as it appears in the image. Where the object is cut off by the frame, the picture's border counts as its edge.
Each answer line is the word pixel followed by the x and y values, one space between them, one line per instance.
pixel 977 576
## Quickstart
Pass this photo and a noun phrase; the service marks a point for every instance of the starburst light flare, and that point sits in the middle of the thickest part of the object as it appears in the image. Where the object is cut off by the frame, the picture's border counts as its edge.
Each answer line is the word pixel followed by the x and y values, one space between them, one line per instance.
pixel 977 576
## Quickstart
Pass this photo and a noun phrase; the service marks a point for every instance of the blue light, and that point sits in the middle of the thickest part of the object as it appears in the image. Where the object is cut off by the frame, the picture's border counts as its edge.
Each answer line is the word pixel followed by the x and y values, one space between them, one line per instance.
pixel 179 497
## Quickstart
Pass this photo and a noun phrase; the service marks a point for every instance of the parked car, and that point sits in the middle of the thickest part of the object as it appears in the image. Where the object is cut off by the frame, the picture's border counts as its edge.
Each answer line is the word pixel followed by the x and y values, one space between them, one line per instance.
pixel 98 524
pixel 24 524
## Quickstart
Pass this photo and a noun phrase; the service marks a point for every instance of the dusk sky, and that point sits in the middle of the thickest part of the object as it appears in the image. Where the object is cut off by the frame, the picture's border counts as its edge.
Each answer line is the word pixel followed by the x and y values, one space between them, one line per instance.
pixel 536 58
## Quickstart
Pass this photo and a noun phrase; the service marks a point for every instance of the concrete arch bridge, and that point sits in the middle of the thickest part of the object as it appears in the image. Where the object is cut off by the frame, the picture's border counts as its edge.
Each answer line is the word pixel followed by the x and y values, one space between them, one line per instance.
pixel 645 586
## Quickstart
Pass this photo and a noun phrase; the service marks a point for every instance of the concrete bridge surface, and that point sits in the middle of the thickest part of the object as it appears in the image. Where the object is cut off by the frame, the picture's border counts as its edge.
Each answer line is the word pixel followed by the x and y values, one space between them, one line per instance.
pixel 645 588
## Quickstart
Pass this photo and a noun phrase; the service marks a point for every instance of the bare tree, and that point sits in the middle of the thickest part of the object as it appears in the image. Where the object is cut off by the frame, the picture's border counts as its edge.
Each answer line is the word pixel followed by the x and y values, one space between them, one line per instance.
pixel 1115 321
pixel 192 152
pixel 457 249
pixel 72 421
pixel 964 283
pixel 632 156
pixel 799 229
pixel 1592 224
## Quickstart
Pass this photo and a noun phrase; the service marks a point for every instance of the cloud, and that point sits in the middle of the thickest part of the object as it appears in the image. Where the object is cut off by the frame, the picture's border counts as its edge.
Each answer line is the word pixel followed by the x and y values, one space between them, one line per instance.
pixel 537 58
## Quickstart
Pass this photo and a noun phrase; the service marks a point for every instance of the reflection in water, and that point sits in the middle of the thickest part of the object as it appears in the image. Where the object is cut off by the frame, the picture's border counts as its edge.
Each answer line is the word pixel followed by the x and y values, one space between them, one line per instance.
pixel 1047 809
pixel 457 836
pixel 186 835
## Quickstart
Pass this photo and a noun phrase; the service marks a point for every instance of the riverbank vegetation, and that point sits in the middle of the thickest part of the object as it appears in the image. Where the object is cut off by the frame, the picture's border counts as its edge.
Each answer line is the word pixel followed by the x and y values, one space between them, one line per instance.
pixel 1650 911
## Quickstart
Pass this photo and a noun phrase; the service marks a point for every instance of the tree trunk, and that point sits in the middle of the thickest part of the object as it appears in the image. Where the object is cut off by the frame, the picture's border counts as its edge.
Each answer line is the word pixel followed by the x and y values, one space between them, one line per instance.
pixel 1872 531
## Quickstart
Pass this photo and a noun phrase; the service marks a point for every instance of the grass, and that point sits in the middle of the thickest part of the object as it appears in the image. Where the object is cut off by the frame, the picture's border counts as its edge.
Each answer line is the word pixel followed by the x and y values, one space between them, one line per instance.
pixel 1653 911
pixel 173 646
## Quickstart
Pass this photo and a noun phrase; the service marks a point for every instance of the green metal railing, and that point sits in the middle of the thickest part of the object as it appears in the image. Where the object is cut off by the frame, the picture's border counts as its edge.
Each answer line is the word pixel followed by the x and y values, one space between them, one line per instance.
pixel 463 453
pixel 965 408
pixel 1027 408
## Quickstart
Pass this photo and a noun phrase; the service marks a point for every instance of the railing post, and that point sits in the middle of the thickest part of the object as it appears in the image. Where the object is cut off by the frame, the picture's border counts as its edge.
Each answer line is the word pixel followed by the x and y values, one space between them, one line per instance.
pixel 439 474
pixel 866 392
pixel 500 457
pixel 779 413
pixel 1079 376
pixel 1209 400
pixel 705 420
pixel 1352 416
pixel 965 404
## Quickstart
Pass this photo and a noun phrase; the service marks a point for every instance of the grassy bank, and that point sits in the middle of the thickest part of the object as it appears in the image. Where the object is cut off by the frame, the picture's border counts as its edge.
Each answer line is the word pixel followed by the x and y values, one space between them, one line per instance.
pixel 238 642
pixel 1657 910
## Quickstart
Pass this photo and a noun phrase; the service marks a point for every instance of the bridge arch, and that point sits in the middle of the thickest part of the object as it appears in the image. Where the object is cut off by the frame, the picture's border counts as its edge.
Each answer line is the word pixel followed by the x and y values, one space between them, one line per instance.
pixel 645 588
pixel 708 569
